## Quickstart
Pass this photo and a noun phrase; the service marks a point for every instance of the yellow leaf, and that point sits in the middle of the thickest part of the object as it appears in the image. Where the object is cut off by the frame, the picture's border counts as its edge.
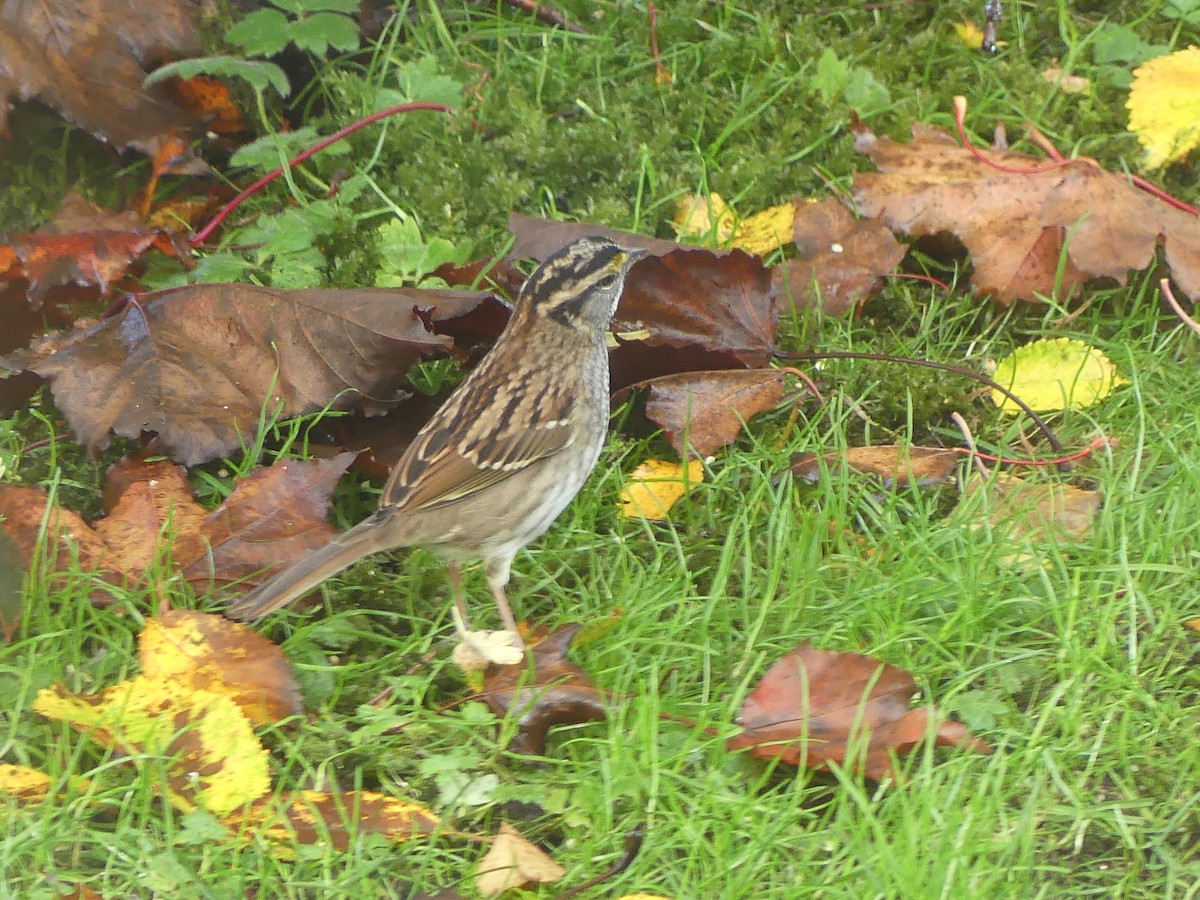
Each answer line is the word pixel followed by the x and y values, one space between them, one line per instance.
pixel 1193 624
pixel 23 783
pixel 704 218
pixel 766 231
pixel 1055 374
pixel 211 653
pixel 1164 106
pixel 969 33
pixel 655 486
pixel 513 862
pixel 215 759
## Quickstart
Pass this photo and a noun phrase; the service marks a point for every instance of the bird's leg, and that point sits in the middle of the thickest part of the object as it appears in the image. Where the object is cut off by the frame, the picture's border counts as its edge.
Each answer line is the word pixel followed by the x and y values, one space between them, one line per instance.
pixel 497 577
pixel 456 592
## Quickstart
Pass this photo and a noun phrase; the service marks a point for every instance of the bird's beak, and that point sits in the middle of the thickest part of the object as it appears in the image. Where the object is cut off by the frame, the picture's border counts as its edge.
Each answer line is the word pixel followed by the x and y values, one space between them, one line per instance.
pixel 633 254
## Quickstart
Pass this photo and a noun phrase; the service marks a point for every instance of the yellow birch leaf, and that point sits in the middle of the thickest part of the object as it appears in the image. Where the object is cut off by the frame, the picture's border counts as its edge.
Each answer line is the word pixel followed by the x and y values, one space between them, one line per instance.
pixel 215 760
pixel 1054 374
pixel 655 486
pixel 968 33
pixel 513 861
pixel 766 231
pixel 23 783
pixel 211 653
pixel 704 218
pixel 1164 106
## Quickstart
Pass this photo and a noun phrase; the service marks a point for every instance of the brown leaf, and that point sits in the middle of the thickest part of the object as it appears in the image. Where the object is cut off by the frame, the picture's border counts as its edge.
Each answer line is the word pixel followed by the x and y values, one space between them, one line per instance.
pixel 842 260
pixel 560 693
pixel 708 409
pixel 721 304
pixel 894 465
pixel 317 817
pixel 198 364
pixel 1040 512
pixel 512 862
pixel 1016 225
pixel 209 653
pixel 274 517
pixel 88 59
pixel 815 706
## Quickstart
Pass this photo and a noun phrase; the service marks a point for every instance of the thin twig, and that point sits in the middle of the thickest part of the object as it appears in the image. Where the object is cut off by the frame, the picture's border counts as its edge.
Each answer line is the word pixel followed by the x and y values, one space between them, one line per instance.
pixel 970 441
pixel 1191 323
pixel 237 201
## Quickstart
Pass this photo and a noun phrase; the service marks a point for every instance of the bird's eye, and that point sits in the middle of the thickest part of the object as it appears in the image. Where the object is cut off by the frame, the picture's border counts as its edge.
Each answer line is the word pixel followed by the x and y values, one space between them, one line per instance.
pixel 607 283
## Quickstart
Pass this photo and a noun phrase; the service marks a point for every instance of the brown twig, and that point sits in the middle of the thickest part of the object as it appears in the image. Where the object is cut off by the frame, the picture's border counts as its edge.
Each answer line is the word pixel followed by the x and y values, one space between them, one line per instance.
pixel 1191 323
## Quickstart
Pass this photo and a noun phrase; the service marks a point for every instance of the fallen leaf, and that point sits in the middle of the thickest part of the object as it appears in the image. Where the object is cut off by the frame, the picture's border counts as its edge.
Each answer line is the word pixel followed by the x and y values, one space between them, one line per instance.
pixel 1017 225
pixel 320 817
pixel 88 60
pixel 765 231
pixel 820 707
pixel 656 485
pixel 841 261
pixel 722 304
pixel 557 692
pixel 209 653
pixel 23 784
pixel 1053 374
pixel 706 410
pixel 538 239
pixel 704 218
pixel 1193 624
pixel 1164 106
pixel 213 760
pixel 512 862
pixel 273 517
pixel 198 365
pixel 1036 512
pixel 895 466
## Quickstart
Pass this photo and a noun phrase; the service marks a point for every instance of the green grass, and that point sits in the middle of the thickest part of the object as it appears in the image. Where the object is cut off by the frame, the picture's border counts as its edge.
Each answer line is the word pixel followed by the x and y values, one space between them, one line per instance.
pixel 1079 672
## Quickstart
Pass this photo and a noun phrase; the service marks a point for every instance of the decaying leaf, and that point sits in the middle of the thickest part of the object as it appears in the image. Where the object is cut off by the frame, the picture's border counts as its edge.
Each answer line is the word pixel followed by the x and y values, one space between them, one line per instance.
pixel 512 862
pixel 89 59
pixel 274 516
pixel 1053 374
pixel 83 246
pixel 820 707
pixel 894 465
pixel 1017 221
pixel 559 693
pixel 656 485
pixel 316 817
pixel 706 410
pixel 198 365
pixel 841 261
pixel 1164 106
pixel 1034 512
pixel 209 653
pixel 765 231
pixel 213 759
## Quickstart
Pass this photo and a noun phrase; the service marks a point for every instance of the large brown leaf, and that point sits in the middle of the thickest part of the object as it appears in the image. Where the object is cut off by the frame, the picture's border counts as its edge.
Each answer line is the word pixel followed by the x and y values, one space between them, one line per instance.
pixel 815 706
pixel 197 365
pixel 273 517
pixel 88 59
pixel 1015 225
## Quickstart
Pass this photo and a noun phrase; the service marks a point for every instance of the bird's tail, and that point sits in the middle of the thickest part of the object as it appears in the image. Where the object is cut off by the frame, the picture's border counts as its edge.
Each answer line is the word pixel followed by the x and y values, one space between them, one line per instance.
pixel 297 580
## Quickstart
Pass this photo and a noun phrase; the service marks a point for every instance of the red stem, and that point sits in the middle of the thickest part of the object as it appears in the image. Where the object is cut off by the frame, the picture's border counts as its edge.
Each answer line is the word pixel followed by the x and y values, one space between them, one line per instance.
pixel 1096 444
pixel 237 201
